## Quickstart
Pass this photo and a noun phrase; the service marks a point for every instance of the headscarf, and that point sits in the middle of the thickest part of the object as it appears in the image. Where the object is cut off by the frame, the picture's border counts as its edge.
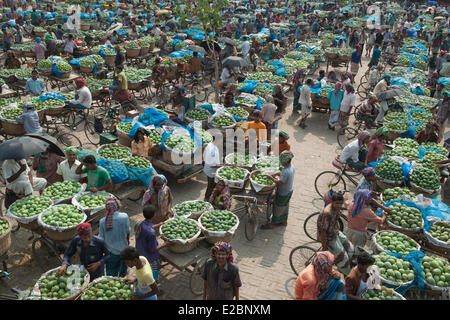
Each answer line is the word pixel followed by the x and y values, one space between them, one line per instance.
pixel 258 114
pixel 38 39
pixel 363 135
pixel 284 134
pixel 359 200
pixel 223 246
pixel 151 190
pixel 84 229
pixel 225 194
pixel 73 149
pixel 112 205
pixel 337 87
pixel 368 172
pixel 285 156
pixel 81 82
pixel 381 131
pixel 320 259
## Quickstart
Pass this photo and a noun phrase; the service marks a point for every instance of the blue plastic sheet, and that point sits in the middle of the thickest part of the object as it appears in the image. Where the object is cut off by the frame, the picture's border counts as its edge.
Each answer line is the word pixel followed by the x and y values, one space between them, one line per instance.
pixel 152 116
pixel 194 136
pixel 436 209
pixel 116 169
pixel 399 81
pixel 443 80
pixel 208 107
pixel 139 174
pixel 251 85
pixel 51 96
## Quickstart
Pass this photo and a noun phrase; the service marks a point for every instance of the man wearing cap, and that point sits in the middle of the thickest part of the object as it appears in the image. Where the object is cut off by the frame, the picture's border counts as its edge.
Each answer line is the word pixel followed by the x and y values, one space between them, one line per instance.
pixel 39 50
pixel 92 250
pixel 34 86
pixel 281 144
pixel 30 119
pixel 67 168
pixel 283 195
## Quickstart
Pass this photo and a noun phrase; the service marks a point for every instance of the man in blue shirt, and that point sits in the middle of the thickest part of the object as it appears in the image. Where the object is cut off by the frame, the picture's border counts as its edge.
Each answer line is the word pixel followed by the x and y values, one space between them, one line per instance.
pixel 375 56
pixel 30 119
pixel 59 33
pixel 34 86
pixel 92 250
pixel 115 231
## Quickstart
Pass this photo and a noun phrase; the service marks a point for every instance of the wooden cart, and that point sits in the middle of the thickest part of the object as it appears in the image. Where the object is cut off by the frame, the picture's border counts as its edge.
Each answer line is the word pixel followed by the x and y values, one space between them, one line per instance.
pixel 61 83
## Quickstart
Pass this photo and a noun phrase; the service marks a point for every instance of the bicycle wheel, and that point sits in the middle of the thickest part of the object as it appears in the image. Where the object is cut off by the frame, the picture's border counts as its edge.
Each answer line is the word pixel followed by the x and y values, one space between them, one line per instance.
pixel 363 90
pixel 69 140
pixel 45 254
pixel 300 257
pixel 196 280
pixel 345 136
pixel 310 226
pixel 91 134
pixel 329 180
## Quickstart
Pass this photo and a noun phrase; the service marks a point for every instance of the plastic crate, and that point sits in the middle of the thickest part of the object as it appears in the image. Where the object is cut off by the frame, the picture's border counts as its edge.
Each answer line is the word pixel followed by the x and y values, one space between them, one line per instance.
pixel 107 138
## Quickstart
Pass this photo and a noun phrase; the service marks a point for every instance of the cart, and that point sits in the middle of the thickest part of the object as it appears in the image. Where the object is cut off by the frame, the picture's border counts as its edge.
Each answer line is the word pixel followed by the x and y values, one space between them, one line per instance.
pixel 193 262
pixel 253 204
pixel 183 172
pixel 338 62
pixel 61 83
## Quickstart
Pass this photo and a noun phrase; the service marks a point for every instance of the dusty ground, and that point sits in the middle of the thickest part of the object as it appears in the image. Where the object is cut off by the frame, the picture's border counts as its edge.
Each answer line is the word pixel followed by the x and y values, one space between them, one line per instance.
pixel 263 262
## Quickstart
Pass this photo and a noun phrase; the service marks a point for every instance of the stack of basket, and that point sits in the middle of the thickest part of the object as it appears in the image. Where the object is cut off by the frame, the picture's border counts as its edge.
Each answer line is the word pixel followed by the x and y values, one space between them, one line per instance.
pixel 5 238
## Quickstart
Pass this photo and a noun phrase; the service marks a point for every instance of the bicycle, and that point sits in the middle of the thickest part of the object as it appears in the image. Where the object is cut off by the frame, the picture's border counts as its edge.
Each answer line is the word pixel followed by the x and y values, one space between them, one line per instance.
pixel 200 92
pixel 102 120
pixel 328 179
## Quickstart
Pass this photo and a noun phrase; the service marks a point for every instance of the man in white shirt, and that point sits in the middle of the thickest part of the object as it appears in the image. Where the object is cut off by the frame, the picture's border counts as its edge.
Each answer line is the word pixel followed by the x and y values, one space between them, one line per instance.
pixel 245 47
pixel 19 180
pixel 211 158
pixel 67 168
pixel 348 102
pixel 226 76
pixel 353 153
pixel 374 75
pixel 84 100
pixel 306 102
pixel 381 87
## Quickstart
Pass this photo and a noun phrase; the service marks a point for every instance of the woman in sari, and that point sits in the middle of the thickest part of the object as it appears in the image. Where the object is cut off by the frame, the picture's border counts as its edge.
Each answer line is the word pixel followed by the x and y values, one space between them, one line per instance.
pixel 319 281
pixel 160 196
pixel 283 195
pixel 220 197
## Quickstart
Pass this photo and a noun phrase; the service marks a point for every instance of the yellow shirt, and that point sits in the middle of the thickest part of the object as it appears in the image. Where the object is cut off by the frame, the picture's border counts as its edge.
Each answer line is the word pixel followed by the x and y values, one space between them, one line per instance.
pixel 260 130
pixel 145 277
pixel 141 148
pixel 123 82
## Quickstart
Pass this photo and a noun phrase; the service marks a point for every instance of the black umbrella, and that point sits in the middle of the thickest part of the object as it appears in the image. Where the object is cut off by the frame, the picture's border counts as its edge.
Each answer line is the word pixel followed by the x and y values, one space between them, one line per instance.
pixel 55 146
pixel 172 24
pixel 196 49
pixel 227 40
pixel 234 61
pixel 214 44
pixel 21 148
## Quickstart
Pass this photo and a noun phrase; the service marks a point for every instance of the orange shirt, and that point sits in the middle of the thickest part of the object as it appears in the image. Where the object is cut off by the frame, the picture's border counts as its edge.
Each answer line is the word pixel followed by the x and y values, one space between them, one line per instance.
pixel 260 130
pixel 142 148
pixel 307 286
pixel 278 148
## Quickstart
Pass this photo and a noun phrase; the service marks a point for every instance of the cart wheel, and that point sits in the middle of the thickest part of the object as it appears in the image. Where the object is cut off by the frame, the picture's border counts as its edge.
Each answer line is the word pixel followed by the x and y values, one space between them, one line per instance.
pixel 251 225
pixel 91 134
pixel 300 257
pixel 327 180
pixel 46 254
pixel 310 226
pixel 196 281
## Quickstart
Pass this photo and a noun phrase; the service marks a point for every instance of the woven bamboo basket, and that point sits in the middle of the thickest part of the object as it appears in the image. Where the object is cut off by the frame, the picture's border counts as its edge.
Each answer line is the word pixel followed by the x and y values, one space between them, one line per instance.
pixel 133 85
pixel 124 139
pixel 86 69
pixel 45 72
pixel 54 111
pixel 85 27
pixel 109 60
pixel 427 193
pixel 131 52
pixel 12 129
pixel 5 238
pixel 144 51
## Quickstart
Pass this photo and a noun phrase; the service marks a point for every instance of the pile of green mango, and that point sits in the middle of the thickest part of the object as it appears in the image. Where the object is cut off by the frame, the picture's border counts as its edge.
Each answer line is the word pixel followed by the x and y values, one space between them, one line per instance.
pixel 92 201
pixel 222 121
pixel 425 178
pixel 179 142
pixel 393 269
pixel 438 147
pixel 396 242
pixel 240 160
pixel 218 220
pixel 154 136
pixel 434 156
pixel 62 190
pixel 396 115
pixel 4 225
pixel 441 231
pixel 396 193
pixel 404 216
pixel 189 207
pixel 180 228
pixel 197 114
pixel 238 112
pixel 54 287
pixel 405 152
pixel 231 173
pixel 262 179
pixel 138 162
pixel 115 152
pixel 63 215
pixel 373 294
pixel 108 289
pixel 389 169
pixel 30 206
pixel 405 142
pixel 396 125
pixel 125 126
pixel 268 163
pixel 436 271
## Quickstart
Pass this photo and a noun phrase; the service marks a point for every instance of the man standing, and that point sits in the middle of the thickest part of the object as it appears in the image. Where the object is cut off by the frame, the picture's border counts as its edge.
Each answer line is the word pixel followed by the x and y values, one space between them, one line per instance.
pixel 244 47
pixel 212 160
pixel 92 250
pixel 98 177
pixel 114 229
pixel 381 87
pixel 147 241
pixel 221 275
pixel 306 102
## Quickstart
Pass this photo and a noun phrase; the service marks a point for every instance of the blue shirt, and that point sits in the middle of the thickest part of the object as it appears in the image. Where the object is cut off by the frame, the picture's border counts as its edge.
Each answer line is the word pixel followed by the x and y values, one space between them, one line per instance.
pixel 376 54
pixel 96 251
pixel 147 242
pixel 59 34
pixel 356 58
pixel 287 177
pixel 116 238
pixel 335 101
pixel 30 120
pixel 36 87
pixel 363 184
